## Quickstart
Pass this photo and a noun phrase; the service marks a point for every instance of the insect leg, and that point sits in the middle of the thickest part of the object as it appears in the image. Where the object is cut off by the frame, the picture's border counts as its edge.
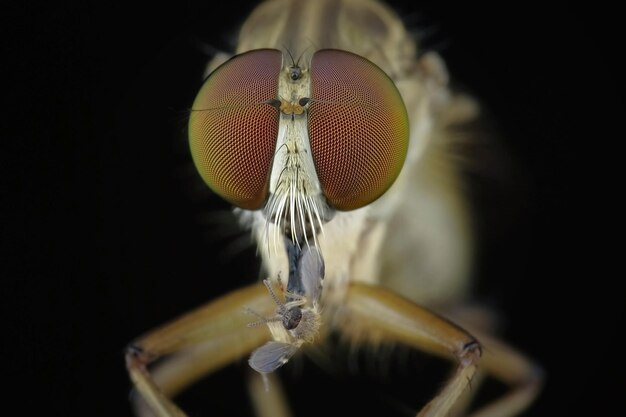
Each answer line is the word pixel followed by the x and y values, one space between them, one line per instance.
pixel 498 361
pixel 267 403
pixel 511 367
pixel 375 314
pixel 194 345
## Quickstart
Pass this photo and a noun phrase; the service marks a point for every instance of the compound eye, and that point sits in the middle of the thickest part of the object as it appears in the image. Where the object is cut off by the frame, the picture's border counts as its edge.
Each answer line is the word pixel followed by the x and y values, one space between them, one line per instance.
pixel 233 127
pixel 358 128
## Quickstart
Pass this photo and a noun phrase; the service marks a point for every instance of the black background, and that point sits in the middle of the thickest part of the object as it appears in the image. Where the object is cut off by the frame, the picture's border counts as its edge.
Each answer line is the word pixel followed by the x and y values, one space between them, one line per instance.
pixel 103 227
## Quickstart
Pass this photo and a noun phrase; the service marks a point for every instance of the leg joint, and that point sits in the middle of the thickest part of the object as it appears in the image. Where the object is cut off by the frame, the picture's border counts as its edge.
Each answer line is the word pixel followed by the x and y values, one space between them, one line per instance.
pixel 470 353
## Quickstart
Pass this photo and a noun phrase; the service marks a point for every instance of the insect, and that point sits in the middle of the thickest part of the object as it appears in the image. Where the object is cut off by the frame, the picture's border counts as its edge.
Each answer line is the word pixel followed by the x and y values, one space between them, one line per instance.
pixel 327 132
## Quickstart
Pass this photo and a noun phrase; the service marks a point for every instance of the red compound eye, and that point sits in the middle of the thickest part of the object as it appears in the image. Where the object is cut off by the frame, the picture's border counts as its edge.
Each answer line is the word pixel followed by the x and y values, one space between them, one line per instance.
pixel 358 128
pixel 233 129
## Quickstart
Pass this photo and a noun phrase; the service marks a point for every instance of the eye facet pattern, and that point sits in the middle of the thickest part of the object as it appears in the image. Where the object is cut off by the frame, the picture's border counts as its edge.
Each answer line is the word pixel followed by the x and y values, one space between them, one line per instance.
pixel 358 128
pixel 233 127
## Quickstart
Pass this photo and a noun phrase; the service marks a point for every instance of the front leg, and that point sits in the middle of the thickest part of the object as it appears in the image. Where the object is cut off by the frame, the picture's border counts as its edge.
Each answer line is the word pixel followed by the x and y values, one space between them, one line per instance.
pixel 374 314
pixel 203 340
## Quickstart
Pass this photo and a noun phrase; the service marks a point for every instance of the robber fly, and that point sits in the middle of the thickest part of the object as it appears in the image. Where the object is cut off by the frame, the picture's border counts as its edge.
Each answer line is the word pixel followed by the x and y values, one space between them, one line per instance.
pixel 326 129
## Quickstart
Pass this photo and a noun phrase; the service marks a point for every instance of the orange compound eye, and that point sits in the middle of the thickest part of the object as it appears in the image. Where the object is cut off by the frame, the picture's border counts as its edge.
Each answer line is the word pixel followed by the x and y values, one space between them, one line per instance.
pixel 358 128
pixel 233 128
